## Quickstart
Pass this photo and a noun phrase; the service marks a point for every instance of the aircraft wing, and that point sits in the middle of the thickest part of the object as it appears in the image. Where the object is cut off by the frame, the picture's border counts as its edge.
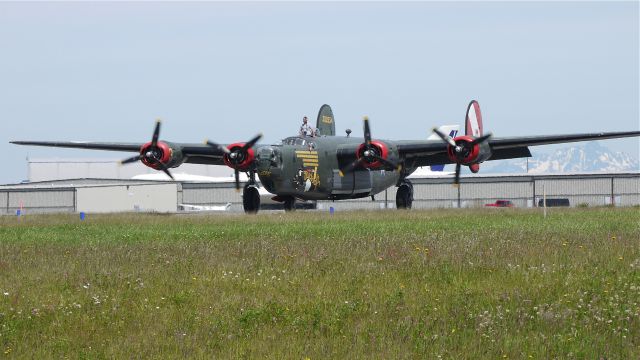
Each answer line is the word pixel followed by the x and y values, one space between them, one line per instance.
pixel 430 152
pixel 193 153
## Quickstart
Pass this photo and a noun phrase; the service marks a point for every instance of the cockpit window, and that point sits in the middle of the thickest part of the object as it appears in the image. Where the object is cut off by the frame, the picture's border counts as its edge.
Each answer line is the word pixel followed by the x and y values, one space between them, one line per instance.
pixel 294 141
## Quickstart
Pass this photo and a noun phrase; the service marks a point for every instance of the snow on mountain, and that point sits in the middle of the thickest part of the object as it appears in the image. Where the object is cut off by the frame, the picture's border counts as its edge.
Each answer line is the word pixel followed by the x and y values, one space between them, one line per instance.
pixel 588 157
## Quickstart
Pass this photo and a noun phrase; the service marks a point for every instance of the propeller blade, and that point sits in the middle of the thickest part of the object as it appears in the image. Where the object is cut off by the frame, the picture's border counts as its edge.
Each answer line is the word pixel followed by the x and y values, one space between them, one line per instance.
pixel 367 131
pixel 166 171
pixel 131 159
pixel 349 168
pixel 163 167
pixel 156 134
pixel 456 180
pixel 237 175
pixel 387 163
pixel 251 142
pixel 217 146
pixel 446 138
pixel 480 139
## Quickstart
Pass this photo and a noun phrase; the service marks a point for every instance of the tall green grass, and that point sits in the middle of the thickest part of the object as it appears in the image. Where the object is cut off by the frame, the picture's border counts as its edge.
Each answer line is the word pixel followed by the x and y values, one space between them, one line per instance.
pixel 387 284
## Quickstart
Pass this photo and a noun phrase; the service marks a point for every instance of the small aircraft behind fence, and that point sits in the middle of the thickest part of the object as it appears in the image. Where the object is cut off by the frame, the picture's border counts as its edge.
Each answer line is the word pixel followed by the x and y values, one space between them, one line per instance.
pixel 330 167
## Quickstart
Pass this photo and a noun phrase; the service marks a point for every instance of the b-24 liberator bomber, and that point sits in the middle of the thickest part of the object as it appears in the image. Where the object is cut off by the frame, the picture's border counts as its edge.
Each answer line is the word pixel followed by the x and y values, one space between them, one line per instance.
pixel 330 167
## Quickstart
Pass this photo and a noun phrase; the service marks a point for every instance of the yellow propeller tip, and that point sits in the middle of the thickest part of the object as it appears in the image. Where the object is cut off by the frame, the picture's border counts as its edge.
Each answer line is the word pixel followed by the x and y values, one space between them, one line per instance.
pixel 365 118
pixel 206 141
pixel 341 173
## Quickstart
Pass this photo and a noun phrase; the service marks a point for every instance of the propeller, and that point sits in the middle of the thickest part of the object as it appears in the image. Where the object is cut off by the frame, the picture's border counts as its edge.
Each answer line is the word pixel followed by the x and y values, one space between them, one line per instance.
pixel 461 150
pixel 370 154
pixel 151 153
pixel 236 155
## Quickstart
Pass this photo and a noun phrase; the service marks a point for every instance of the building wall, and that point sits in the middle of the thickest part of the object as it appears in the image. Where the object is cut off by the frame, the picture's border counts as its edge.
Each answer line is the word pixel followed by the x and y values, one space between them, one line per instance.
pixel 127 195
pixel 37 201
pixel 154 198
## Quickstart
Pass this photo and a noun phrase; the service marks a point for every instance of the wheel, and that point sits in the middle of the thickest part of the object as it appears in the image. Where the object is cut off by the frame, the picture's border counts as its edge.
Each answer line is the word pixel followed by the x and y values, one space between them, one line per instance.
pixel 290 204
pixel 250 199
pixel 404 196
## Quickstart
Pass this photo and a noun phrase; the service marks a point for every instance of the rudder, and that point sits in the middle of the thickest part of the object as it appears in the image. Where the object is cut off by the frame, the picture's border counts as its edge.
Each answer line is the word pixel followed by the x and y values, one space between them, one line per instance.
pixel 473 120
pixel 325 124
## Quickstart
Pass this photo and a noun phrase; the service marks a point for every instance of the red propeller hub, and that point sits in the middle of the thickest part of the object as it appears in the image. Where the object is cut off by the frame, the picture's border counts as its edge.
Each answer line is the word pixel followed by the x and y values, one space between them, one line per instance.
pixel 161 151
pixel 237 158
pixel 379 148
pixel 467 154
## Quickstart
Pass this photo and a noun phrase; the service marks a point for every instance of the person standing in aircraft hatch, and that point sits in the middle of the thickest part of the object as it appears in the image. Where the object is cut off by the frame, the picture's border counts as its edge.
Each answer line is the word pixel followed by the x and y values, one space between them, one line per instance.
pixel 306 130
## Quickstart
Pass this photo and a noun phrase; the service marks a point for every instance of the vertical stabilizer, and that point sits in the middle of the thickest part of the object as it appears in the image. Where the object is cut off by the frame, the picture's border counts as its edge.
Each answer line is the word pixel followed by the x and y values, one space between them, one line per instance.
pixel 326 125
pixel 473 120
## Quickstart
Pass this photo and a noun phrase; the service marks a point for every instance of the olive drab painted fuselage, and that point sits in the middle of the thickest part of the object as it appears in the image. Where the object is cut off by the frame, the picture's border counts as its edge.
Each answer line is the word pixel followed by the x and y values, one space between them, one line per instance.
pixel 309 168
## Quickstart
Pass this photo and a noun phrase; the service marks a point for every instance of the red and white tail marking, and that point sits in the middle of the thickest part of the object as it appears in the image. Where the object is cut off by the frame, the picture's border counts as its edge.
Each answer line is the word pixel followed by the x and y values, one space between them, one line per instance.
pixel 473 121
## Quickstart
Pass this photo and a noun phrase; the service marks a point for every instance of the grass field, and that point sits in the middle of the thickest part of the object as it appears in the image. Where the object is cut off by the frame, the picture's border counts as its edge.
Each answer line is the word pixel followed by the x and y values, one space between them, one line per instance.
pixel 447 284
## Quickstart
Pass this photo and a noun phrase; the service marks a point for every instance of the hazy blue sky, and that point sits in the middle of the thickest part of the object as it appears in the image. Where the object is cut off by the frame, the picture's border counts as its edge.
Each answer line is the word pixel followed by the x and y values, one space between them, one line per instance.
pixel 225 71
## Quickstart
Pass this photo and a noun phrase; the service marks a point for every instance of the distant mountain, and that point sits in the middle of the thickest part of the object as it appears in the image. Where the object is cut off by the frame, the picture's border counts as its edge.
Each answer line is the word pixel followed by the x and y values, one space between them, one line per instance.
pixel 588 157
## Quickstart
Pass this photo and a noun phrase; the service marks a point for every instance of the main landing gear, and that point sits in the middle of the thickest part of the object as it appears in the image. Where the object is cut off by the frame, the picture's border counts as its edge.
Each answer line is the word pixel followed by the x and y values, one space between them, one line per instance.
pixel 251 196
pixel 404 195
pixel 289 203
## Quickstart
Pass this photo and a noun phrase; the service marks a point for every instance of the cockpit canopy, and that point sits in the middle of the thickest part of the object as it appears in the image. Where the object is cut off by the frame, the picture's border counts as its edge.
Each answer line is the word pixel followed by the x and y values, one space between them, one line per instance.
pixel 295 140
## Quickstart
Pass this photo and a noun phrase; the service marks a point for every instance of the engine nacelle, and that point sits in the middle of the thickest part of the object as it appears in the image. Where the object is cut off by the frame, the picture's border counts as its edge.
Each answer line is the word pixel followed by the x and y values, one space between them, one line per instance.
pixel 238 158
pixel 377 148
pixel 470 153
pixel 164 152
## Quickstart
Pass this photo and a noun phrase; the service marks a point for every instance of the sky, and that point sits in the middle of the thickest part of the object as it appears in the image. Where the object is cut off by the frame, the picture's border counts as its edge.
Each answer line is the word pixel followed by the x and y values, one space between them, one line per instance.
pixel 228 70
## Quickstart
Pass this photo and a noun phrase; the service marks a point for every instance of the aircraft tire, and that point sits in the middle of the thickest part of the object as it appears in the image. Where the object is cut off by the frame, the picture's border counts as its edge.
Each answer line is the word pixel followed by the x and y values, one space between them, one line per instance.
pixel 404 196
pixel 250 200
pixel 290 204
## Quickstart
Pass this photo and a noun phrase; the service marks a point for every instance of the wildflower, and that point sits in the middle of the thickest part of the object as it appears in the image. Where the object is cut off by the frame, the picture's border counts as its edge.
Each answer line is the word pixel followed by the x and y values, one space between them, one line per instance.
pixel 6 293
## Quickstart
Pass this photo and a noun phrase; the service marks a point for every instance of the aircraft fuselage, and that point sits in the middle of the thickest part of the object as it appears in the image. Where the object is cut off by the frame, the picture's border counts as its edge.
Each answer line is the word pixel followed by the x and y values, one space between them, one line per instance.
pixel 308 169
